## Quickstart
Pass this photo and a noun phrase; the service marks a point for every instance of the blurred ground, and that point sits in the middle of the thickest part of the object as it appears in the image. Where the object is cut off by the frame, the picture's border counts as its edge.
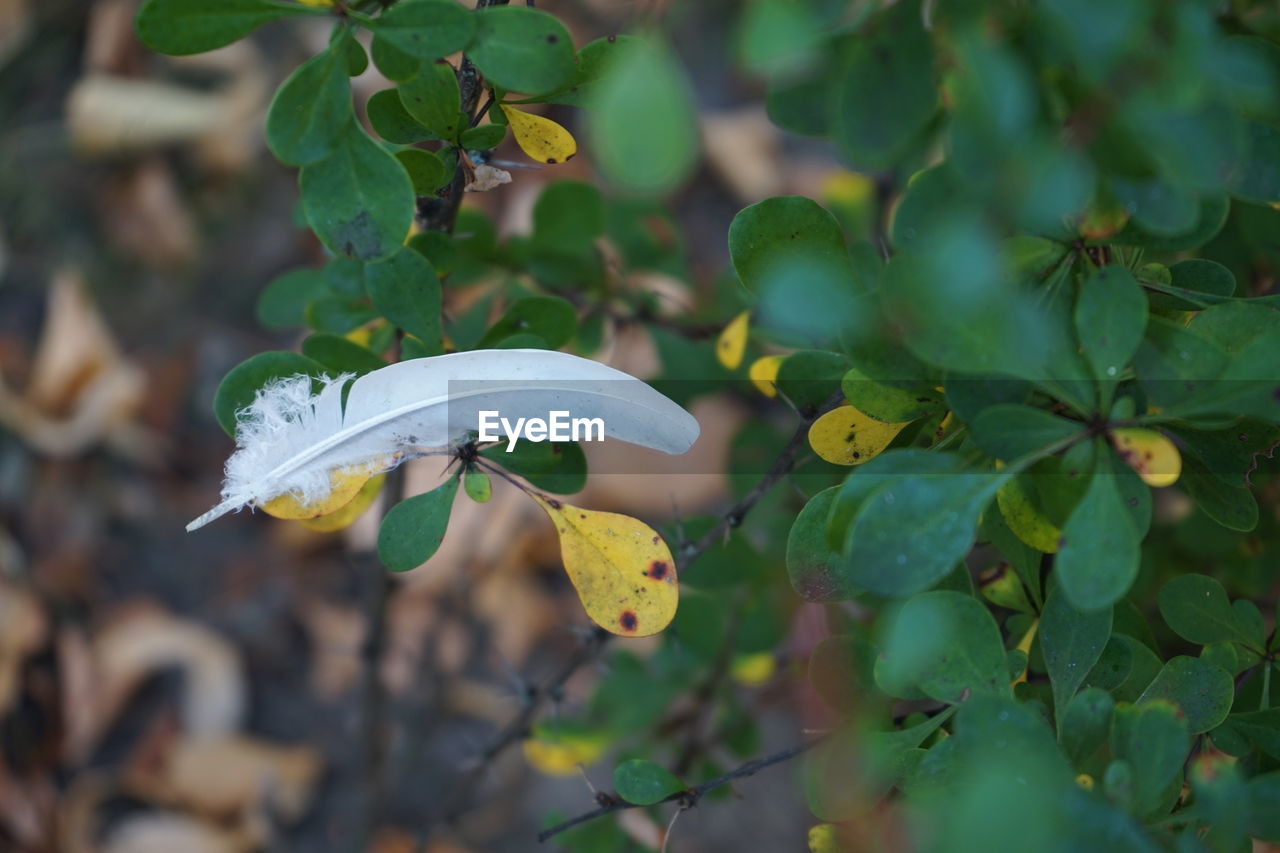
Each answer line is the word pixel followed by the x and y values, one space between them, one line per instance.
pixel 160 691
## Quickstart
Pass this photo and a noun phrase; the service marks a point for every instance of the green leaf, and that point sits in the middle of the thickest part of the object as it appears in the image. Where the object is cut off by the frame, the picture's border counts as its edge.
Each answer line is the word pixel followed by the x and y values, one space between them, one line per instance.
pixel 814 569
pixel 947 644
pixel 181 27
pixel 1197 609
pixel 550 318
pixel 432 99
pixel 412 531
pixel 483 137
pixel 477 485
pixel 559 468
pixel 426 170
pixel 405 289
pixel 394 63
pixel 889 467
pixel 1098 554
pixel 358 200
pixel 522 49
pixel 284 301
pixel 1210 217
pixel 777 232
pixel 1202 283
pixel 890 403
pixel 644 783
pixel 340 355
pixel 1007 431
pixel 809 377
pixel 884 92
pixel 1072 642
pixel 1264 806
pixel 425 29
pixel 309 111
pixel 1234 507
pixel 1203 691
pixel 354 57
pixel 392 121
pixel 1152 737
pixel 1111 314
pixel 568 216
pixel 1084 723
pixel 593 62
pixel 1260 727
pixel 643 125
pixel 240 386
pixel 790 252
pixel 910 533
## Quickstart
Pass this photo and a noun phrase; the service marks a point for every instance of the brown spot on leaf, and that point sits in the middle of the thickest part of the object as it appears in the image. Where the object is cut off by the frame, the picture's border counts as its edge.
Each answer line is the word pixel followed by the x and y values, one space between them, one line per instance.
pixel 551 160
pixel 657 570
pixel 628 620
pixel 553 503
pixel 552 38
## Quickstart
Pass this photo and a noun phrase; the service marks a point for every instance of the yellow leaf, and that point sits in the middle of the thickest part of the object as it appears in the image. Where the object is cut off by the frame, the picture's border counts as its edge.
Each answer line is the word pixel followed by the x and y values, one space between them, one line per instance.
pixel 824 838
pixel 764 374
pixel 354 508
pixel 1085 781
pixel 344 483
pixel 561 755
pixel 363 334
pixel 845 436
pixel 1151 454
pixel 732 342
pixel 621 568
pixel 316 2
pixel 1025 519
pixel 753 670
pixel 1024 646
pixel 848 187
pixel 541 138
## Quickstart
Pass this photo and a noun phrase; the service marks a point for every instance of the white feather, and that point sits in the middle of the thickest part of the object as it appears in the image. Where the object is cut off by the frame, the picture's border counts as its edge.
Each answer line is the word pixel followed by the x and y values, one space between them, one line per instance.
pixel 289 440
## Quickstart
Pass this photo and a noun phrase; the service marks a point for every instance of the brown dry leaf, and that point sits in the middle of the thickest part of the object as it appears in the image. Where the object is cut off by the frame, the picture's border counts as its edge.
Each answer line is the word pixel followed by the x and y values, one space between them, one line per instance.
pixel 144 640
pixel 337 634
pixel 81 391
pixel 16 24
pixel 642 829
pixel 487 177
pixel 160 832
pixel 110 44
pixel 228 776
pixel 109 114
pixel 146 217
pixel 23 627
pixel 743 149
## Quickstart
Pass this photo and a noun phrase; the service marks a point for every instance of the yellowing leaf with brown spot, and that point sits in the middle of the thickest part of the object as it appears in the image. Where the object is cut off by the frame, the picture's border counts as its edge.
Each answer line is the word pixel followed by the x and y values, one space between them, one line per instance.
pixel 354 508
pixel 845 436
pixel 541 138
pixel 345 484
pixel 764 374
pixel 1151 454
pixel 1025 519
pixel 621 568
pixel 732 342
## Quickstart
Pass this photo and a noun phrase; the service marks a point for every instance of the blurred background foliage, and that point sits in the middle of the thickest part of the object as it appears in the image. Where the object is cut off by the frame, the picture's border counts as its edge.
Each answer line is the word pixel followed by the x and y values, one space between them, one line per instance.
pixel 972 163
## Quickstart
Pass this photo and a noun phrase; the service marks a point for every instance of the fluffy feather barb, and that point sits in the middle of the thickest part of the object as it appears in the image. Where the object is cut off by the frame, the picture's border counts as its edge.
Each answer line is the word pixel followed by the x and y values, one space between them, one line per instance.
pixel 290 439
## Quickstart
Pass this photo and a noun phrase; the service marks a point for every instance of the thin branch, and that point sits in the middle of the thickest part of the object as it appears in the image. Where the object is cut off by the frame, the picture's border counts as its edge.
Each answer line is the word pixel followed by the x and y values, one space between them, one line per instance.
pixel 462 800
pixel 518 727
pixel 687 799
